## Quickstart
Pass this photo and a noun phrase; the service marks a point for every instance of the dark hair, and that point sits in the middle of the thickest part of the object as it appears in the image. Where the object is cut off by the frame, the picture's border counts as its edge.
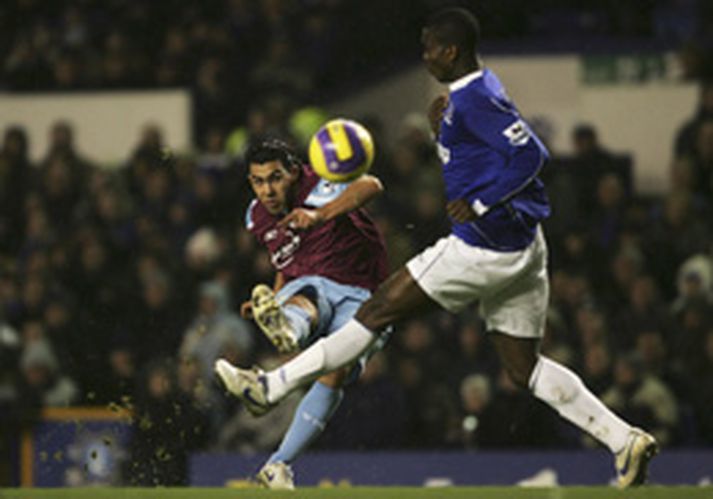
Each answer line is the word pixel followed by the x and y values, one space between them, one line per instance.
pixel 456 26
pixel 584 131
pixel 264 151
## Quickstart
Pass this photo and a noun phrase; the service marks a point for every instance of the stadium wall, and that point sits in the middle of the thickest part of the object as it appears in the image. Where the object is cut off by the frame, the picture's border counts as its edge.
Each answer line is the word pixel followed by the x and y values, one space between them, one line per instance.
pixel 554 92
pixel 107 124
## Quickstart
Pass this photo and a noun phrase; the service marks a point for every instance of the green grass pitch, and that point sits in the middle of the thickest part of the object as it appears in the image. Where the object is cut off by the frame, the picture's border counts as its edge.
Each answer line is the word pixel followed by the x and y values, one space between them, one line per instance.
pixel 652 492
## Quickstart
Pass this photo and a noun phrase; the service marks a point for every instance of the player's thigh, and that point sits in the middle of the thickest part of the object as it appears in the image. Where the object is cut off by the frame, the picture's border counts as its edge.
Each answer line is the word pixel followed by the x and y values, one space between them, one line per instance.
pixel 519 309
pixel 337 379
pixel 455 274
pixel 396 298
pixel 336 303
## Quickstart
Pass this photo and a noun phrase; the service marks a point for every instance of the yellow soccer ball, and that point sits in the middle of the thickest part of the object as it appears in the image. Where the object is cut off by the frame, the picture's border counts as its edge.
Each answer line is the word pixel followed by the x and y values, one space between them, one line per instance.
pixel 341 150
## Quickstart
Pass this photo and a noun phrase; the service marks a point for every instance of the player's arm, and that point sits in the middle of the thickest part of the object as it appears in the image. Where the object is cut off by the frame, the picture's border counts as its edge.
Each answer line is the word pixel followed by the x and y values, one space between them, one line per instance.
pixel 435 113
pixel 279 282
pixel 357 194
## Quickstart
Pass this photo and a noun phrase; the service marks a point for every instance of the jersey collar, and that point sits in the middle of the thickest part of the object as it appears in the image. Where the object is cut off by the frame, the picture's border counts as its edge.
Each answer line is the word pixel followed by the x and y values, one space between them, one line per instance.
pixel 464 80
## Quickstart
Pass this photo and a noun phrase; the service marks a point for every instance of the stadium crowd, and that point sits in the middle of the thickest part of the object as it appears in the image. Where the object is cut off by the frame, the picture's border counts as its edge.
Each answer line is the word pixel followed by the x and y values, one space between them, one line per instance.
pixel 234 54
pixel 121 286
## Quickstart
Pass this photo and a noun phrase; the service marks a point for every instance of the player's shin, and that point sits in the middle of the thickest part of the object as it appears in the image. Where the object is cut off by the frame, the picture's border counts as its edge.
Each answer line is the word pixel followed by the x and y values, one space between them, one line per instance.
pixel 337 350
pixel 565 392
pixel 309 421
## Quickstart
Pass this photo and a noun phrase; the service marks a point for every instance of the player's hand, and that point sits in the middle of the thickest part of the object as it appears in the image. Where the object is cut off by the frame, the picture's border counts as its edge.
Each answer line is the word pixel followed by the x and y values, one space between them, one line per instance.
pixel 461 211
pixel 246 310
pixel 301 218
pixel 435 113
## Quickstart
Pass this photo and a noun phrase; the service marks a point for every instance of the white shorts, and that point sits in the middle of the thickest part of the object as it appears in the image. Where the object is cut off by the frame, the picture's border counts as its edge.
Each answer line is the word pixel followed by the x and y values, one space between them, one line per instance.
pixel 512 287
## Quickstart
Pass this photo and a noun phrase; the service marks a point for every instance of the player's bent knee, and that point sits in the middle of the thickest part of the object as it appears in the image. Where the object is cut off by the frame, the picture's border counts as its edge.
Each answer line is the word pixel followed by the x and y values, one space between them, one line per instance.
pixel 335 379
pixel 374 313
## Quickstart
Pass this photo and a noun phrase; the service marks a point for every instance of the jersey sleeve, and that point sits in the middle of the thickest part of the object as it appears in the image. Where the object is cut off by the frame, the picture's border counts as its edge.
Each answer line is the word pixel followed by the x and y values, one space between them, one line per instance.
pixel 249 221
pixel 325 192
pixel 499 126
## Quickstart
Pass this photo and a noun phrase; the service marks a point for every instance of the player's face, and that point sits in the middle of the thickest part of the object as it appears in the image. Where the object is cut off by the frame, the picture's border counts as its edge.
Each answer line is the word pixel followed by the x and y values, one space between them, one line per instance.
pixel 437 57
pixel 272 184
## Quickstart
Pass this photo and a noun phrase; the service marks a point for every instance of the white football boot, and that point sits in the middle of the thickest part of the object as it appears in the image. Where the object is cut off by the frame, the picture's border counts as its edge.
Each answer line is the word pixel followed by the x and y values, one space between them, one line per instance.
pixel 272 321
pixel 276 476
pixel 632 462
pixel 249 385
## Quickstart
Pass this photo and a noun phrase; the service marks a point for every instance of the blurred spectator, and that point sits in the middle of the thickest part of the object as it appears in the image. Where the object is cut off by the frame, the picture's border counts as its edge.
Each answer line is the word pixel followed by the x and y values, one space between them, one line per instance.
pixel 16 178
pixel 41 378
pixel 606 218
pixel 643 399
pixel 694 282
pixel 597 372
pixel 702 158
pixel 644 311
pixel 216 332
pixel 353 425
pixel 592 162
pixel 519 421
pixel 703 382
pixel 121 384
pixel 157 322
pixel 676 234
pixel 473 354
pixel 477 419
pixel 62 146
pixel 15 412
pixel 687 135
pixel 652 349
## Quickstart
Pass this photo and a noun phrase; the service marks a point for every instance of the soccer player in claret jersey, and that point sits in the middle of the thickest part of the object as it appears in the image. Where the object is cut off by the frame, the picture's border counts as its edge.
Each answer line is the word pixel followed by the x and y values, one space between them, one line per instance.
pixel 329 256
pixel 496 253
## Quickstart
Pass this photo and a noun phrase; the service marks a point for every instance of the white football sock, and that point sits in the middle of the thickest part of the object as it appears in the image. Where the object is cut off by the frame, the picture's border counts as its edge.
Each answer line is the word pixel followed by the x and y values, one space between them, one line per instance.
pixel 339 349
pixel 565 392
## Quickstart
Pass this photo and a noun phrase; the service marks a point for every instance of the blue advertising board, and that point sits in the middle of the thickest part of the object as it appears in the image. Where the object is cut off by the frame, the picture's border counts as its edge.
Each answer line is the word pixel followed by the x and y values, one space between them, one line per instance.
pixel 75 447
pixel 594 467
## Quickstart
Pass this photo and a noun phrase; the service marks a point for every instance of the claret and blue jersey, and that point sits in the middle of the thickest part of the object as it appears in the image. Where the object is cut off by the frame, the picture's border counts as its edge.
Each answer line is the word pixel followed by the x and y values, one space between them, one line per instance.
pixel 491 158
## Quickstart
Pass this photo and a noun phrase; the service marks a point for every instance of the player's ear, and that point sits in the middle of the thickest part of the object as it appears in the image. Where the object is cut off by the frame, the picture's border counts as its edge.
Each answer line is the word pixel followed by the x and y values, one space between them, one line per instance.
pixel 451 52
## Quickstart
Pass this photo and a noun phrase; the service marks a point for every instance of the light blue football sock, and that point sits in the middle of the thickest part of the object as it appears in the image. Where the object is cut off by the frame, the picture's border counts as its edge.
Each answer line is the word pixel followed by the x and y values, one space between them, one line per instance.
pixel 299 319
pixel 309 421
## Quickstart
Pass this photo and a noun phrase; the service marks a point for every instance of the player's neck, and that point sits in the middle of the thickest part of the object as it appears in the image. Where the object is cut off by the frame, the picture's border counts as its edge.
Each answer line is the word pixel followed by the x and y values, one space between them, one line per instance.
pixel 465 67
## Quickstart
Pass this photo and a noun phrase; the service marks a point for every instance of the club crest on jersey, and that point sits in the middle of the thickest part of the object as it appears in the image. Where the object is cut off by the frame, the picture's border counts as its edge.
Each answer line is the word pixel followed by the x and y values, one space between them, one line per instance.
pixel 443 153
pixel 270 235
pixel 518 133
pixel 284 255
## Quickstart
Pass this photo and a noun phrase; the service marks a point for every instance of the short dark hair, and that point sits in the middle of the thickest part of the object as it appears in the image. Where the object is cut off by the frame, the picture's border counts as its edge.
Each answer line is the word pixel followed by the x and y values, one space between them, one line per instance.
pixel 272 149
pixel 456 26
pixel 585 131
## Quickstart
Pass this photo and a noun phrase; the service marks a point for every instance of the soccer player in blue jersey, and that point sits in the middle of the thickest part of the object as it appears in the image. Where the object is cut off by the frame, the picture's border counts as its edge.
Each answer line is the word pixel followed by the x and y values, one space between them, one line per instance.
pixel 496 254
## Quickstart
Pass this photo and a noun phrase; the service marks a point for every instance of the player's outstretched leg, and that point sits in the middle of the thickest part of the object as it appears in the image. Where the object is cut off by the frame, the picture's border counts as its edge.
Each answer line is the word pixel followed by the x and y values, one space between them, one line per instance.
pixel 565 392
pixel 311 417
pixel 284 325
pixel 562 389
pixel 249 385
pixel 397 297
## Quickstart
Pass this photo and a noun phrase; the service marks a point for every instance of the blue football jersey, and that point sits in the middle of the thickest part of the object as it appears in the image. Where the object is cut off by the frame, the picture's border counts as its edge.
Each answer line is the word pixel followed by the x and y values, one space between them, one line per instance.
pixel 491 158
